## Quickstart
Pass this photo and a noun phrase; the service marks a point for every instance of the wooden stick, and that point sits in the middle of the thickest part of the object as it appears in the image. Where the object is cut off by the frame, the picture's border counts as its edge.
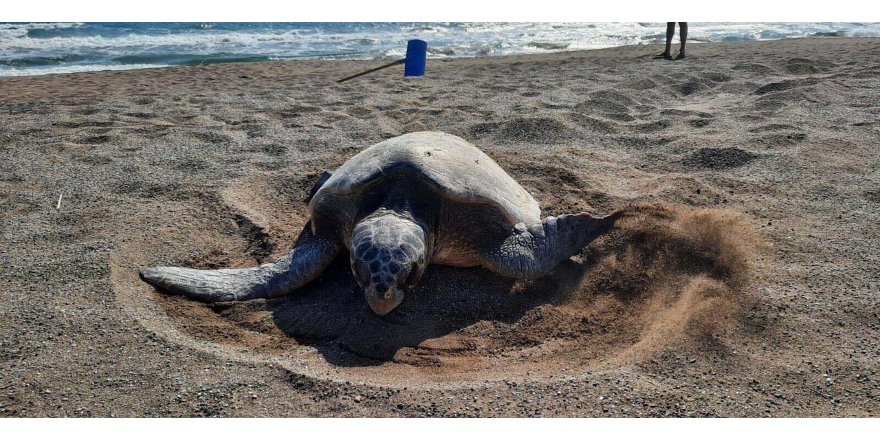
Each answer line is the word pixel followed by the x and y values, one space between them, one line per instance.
pixel 58 206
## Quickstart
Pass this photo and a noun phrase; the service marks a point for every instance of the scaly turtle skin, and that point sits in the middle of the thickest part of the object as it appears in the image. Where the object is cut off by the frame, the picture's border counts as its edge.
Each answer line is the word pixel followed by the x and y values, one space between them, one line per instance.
pixel 417 199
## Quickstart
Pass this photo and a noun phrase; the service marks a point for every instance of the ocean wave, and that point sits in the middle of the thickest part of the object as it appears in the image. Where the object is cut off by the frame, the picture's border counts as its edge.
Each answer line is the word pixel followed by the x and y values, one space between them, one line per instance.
pixel 139 40
pixel 189 59
pixel 41 60
pixel 549 45
pixel 18 30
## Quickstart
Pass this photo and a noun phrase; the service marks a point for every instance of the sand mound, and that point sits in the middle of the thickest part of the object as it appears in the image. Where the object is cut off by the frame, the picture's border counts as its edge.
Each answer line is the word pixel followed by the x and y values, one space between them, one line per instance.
pixel 806 66
pixel 593 124
pixel 718 158
pixel 608 108
pixel 664 276
pixel 785 85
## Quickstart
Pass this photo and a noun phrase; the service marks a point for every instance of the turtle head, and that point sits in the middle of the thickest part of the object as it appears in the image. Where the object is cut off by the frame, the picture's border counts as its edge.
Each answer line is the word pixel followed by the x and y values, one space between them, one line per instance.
pixel 388 257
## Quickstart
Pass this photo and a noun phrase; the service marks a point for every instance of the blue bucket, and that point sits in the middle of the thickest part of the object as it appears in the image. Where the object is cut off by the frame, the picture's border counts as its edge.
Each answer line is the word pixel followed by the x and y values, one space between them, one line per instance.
pixel 416 52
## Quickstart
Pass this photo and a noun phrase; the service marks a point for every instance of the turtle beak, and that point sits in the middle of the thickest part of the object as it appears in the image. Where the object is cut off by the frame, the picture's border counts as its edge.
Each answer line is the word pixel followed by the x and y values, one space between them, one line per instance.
pixel 383 303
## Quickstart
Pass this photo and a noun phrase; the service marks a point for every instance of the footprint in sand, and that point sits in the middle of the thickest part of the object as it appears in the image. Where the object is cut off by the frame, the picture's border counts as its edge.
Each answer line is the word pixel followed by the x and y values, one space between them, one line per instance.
pixel 143 100
pixel 212 137
pixel 780 139
pixel 92 140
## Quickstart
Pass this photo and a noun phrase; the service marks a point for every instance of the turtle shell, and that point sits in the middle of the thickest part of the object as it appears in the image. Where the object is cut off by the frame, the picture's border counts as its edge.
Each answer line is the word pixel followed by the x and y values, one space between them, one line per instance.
pixel 452 166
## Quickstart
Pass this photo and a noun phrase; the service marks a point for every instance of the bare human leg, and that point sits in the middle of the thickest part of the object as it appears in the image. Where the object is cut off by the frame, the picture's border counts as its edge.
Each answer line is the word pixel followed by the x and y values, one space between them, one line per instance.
pixel 670 32
pixel 683 33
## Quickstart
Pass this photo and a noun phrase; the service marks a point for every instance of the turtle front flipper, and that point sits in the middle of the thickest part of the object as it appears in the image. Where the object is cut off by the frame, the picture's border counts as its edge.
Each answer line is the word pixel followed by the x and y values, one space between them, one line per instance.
pixel 534 250
pixel 304 263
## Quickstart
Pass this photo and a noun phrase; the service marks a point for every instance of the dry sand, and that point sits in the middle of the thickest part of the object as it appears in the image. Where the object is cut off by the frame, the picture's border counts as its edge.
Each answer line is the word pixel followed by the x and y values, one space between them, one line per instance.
pixel 743 282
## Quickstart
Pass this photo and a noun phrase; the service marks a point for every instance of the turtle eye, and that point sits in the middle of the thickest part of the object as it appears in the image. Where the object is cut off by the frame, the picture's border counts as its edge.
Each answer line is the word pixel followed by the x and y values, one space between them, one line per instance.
pixel 361 274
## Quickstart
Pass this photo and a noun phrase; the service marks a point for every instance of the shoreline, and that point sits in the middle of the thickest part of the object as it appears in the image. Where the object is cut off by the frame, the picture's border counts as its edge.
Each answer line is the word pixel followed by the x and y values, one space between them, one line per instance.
pixel 581 52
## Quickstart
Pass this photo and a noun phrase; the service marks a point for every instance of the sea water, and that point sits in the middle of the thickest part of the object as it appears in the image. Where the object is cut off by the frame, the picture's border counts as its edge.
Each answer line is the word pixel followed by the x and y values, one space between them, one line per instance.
pixel 42 48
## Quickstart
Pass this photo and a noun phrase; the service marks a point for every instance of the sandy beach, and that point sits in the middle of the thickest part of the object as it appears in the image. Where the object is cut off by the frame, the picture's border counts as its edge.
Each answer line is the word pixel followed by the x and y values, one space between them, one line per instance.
pixel 744 282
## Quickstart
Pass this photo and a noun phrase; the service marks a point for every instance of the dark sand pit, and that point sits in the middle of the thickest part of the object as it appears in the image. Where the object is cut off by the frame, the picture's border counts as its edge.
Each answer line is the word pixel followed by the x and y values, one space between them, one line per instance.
pixel 665 277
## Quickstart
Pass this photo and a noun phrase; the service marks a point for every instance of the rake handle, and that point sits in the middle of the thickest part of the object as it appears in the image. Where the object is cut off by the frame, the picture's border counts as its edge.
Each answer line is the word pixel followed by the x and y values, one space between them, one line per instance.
pixel 372 70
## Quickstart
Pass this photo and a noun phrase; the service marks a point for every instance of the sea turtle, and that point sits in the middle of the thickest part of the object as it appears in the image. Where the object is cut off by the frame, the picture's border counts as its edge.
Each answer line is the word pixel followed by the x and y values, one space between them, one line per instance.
pixel 397 206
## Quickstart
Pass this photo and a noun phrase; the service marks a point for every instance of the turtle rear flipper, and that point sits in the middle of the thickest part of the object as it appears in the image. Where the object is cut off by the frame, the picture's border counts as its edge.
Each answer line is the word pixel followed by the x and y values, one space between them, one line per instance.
pixel 293 270
pixel 533 251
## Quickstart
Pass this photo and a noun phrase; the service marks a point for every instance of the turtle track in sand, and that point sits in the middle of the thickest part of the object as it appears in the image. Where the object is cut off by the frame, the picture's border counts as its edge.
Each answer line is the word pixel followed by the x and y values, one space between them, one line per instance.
pixel 665 276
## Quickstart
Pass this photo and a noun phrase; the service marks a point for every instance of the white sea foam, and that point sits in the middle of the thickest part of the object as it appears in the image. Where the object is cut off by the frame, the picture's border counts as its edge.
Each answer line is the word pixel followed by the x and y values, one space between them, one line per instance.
pixel 30 71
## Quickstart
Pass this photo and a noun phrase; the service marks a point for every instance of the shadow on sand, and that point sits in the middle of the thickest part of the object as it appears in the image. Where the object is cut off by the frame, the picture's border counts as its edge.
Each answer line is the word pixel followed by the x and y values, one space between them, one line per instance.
pixel 332 315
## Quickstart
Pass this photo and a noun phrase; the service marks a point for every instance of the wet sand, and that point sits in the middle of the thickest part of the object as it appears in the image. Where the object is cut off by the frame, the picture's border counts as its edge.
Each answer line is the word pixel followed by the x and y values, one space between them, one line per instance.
pixel 743 281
